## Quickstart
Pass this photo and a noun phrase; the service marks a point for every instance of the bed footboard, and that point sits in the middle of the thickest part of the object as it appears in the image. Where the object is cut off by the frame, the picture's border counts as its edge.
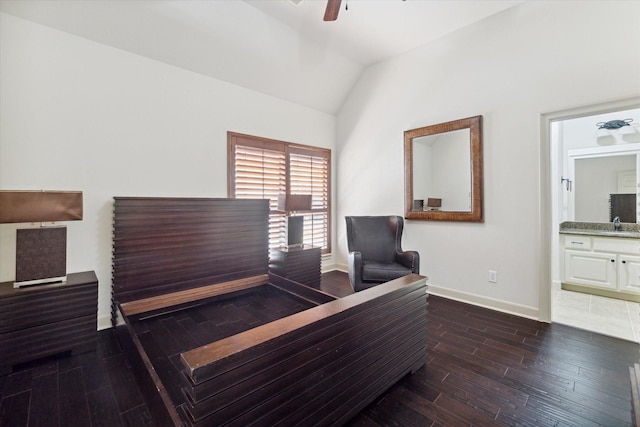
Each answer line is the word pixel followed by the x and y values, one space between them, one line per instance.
pixel 318 367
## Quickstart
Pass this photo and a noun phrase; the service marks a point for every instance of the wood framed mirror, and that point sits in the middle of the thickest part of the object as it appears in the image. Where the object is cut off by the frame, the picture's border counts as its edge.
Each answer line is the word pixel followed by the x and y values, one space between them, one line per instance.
pixel 443 171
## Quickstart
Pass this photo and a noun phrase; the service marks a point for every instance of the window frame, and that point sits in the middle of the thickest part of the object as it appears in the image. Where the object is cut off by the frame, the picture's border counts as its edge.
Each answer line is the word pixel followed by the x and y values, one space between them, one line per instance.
pixel 238 139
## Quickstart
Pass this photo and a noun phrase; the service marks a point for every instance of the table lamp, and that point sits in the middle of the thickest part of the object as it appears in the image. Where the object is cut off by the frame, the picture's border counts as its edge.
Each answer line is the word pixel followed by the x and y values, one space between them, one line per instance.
pixel 290 203
pixel 434 204
pixel 41 252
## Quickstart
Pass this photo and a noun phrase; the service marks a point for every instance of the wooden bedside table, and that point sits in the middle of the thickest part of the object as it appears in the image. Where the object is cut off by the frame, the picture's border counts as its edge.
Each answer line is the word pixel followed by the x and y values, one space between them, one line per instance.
pixel 43 320
pixel 301 264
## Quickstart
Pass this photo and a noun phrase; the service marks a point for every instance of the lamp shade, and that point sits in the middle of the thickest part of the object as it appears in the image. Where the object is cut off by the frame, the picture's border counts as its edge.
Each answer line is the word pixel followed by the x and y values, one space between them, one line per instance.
pixel 434 203
pixel 40 206
pixel 294 202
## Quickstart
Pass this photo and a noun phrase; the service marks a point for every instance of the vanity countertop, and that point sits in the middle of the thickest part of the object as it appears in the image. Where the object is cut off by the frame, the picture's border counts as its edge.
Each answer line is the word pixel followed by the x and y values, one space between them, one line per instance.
pixel 627 231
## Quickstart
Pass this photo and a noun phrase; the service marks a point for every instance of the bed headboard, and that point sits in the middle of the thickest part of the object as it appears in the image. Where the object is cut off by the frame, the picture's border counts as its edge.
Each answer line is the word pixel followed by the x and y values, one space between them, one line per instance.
pixel 164 245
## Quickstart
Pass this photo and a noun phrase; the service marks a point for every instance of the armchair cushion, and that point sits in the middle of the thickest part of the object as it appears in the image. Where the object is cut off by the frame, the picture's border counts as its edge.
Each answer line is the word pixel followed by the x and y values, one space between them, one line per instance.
pixel 373 271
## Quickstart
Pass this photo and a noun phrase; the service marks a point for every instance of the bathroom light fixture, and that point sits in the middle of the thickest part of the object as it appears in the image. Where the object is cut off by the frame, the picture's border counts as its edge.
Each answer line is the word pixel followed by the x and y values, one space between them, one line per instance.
pixel 602 132
pixel 607 130
pixel 614 124
pixel 628 130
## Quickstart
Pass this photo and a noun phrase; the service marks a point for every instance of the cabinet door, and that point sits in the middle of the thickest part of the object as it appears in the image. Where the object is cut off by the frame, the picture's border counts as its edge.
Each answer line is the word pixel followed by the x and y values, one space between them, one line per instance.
pixel 589 268
pixel 629 273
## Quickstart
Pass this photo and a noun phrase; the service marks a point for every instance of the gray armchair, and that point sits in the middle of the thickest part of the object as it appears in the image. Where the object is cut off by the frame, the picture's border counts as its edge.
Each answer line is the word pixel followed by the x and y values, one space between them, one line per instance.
pixel 375 252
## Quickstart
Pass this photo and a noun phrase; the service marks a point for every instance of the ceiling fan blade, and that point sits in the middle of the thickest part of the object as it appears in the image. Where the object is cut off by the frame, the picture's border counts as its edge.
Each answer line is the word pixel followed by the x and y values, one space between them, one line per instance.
pixel 333 7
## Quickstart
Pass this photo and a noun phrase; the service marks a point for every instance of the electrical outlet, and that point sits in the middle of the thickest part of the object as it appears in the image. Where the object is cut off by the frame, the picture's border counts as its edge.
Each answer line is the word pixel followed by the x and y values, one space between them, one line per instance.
pixel 493 276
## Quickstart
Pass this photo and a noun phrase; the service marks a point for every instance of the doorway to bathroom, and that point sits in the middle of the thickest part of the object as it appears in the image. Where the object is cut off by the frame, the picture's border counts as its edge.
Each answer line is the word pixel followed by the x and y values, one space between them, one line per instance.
pixel 591 170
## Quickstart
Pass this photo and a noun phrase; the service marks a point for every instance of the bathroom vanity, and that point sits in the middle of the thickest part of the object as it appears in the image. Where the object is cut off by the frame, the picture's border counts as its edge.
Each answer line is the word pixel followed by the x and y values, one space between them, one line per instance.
pixel 602 260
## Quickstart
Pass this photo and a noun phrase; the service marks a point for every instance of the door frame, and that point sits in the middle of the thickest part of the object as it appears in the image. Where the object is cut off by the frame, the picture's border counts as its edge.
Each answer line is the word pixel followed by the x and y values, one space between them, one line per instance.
pixel 547 204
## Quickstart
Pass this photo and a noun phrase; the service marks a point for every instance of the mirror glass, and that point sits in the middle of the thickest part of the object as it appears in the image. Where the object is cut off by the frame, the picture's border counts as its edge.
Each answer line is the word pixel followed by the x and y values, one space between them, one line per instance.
pixel 605 188
pixel 443 171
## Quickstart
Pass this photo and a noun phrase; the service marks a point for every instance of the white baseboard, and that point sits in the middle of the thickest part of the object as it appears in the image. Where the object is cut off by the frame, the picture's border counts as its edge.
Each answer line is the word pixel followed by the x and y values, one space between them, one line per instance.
pixel 334 266
pixel 104 322
pixel 486 302
pixel 479 300
pixel 340 267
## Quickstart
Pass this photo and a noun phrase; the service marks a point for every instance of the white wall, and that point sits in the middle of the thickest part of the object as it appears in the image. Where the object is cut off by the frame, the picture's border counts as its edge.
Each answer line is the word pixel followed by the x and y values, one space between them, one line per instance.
pixel 536 58
pixel 78 115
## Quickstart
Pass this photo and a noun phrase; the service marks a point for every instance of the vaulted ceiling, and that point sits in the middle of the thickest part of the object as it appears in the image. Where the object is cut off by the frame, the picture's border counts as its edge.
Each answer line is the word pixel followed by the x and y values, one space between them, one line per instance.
pixel 282 48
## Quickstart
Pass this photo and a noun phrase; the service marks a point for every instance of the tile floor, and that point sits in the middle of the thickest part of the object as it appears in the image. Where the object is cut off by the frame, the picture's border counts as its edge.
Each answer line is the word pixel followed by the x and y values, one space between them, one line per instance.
pixel 608 316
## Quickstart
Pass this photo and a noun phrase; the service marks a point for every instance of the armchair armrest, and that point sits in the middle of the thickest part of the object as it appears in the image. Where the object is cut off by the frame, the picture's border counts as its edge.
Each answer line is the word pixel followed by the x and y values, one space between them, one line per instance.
pixel 409 259
pixel 355 269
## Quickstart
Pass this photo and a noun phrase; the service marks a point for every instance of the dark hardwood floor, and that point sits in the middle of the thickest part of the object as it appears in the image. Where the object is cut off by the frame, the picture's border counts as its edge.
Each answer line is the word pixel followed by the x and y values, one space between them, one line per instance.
pixel 483 368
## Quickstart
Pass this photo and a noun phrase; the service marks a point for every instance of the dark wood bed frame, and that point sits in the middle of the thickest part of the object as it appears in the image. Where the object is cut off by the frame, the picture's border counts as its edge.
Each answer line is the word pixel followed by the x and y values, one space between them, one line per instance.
pixel 320 366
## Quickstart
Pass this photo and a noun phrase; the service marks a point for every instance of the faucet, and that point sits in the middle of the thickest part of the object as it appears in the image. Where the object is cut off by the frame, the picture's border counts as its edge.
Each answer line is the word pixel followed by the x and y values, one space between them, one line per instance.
pixel 616 223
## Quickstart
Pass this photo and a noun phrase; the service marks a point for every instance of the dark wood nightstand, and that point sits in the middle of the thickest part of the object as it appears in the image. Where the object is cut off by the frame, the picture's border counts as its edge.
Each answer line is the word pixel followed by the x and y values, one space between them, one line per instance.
pixel 300 264
pixel 43 320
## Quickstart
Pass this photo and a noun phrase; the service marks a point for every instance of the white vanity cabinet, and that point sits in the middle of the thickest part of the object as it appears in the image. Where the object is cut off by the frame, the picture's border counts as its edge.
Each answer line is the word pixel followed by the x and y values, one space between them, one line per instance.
pixel 604 262
pixel 629 273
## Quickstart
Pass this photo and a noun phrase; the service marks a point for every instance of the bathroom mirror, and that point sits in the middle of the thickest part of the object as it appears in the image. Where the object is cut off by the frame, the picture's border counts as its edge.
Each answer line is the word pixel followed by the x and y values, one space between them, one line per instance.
pixel 443 171
pixel 602 184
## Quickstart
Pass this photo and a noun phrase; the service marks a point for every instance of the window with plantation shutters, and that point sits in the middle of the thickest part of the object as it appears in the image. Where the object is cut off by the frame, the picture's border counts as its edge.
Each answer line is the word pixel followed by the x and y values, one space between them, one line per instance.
pixel 260 168
pixel 308 174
